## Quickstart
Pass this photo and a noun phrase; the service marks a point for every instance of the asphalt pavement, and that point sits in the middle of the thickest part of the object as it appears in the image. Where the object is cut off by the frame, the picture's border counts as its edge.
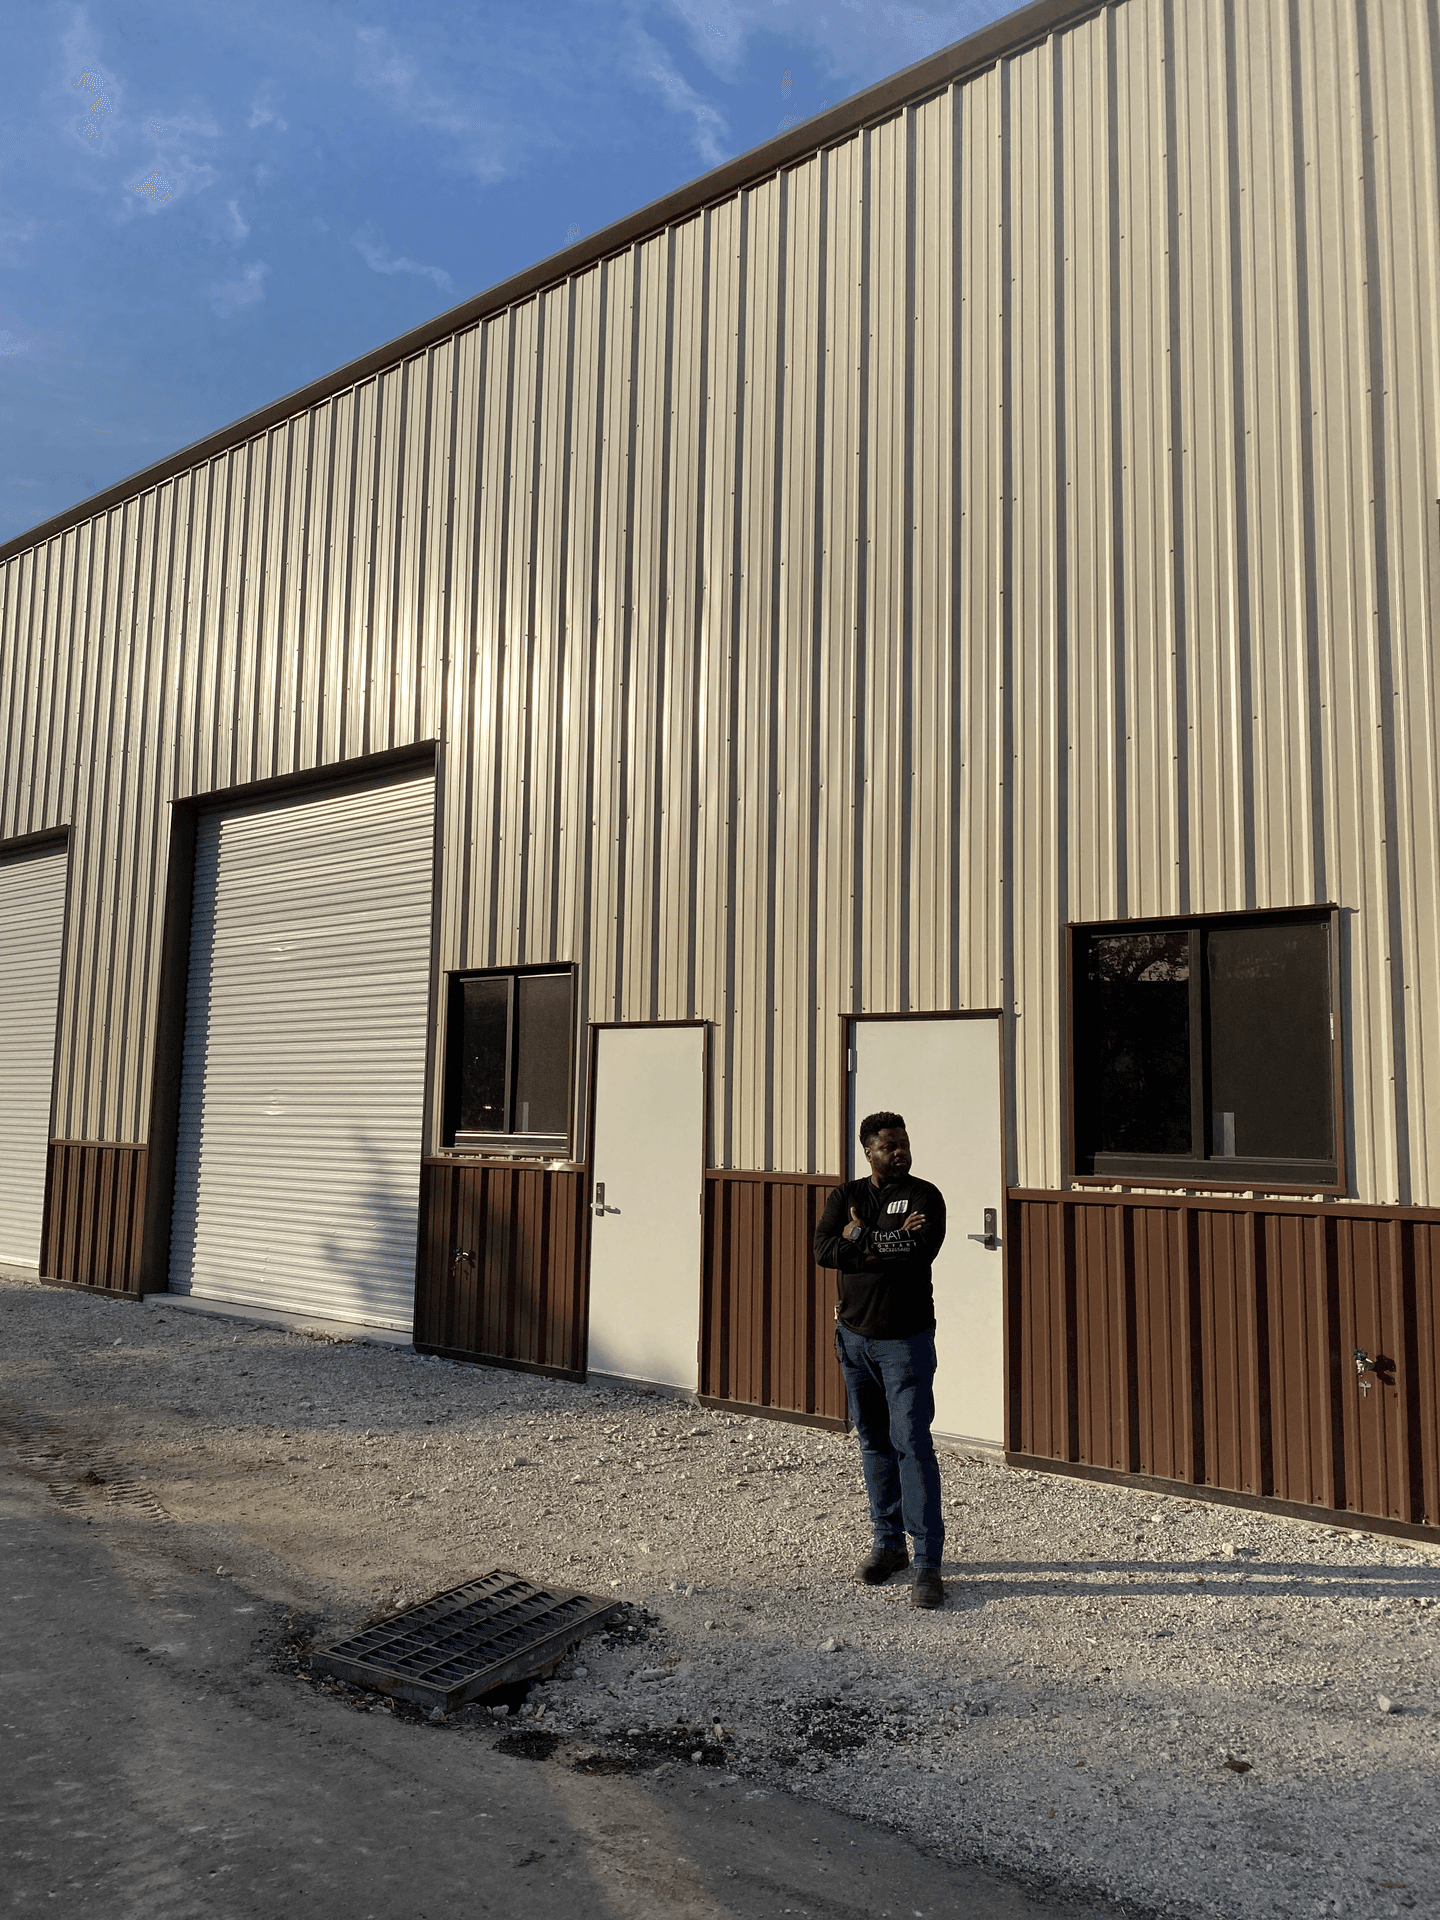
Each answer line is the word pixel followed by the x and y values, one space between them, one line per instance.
pixel 159 1762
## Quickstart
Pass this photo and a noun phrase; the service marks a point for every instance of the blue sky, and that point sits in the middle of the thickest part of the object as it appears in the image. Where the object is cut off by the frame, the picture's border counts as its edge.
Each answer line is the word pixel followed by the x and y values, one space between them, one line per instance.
pixel 203 207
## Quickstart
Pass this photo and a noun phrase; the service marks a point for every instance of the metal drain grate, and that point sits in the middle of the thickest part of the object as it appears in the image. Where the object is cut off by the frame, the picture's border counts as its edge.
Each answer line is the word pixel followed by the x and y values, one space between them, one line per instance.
pixel 461 1643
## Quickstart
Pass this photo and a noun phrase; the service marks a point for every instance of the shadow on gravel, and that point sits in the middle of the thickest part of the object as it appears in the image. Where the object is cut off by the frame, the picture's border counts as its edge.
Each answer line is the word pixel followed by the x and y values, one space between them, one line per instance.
pixel 1238 1579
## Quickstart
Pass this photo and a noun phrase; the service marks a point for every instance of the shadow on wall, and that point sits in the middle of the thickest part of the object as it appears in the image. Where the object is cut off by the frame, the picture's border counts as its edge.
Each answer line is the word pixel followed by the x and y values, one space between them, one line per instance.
pixel 366 1232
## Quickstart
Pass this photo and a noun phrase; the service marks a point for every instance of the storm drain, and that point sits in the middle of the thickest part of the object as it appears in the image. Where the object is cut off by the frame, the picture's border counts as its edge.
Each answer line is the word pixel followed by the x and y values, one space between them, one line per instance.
pixel 454 1647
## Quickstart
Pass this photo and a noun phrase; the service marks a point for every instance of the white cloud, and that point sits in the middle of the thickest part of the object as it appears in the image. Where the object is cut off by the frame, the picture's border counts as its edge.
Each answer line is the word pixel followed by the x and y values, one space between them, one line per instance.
pixel 239 226
pixel 159 184
pixel 97 112
pixel 858 41
pixel 181 126
pixel 230 296
pixel 653 65
pixel 15 238
pixel 93 87
pixel 157 187
pixel 379 261
pixel 384 69
pixel 262 113
pixel 12 347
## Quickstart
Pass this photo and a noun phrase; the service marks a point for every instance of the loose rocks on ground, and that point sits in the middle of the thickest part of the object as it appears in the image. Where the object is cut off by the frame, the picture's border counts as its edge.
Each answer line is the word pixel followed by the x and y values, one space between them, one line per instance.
pixel 1196 1709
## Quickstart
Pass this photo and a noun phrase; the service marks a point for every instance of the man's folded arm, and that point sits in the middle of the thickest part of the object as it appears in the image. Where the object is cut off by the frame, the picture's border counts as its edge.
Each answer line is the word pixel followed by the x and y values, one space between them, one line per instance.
pixel 832 1249
pixel 932 1235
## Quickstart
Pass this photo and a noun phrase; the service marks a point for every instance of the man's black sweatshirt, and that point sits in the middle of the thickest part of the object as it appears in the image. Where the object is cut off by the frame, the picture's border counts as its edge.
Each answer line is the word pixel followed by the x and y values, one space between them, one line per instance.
pixel 884 1276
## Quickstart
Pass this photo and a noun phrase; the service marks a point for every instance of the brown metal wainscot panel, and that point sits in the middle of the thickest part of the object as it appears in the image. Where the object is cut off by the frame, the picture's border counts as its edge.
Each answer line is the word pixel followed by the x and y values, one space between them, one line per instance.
pixel 1214 1342
pixel 94 1203
pixel 500 1265
pixel 767 1320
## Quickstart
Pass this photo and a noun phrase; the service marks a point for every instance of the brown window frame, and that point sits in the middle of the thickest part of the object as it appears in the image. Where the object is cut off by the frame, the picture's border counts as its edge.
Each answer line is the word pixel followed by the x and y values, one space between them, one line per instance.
pixel 508 1144
pixel 1205 1170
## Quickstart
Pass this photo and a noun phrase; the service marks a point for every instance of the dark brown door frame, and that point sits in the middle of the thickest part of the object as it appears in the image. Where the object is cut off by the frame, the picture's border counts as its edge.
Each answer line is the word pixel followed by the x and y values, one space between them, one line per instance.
pixel 168 1055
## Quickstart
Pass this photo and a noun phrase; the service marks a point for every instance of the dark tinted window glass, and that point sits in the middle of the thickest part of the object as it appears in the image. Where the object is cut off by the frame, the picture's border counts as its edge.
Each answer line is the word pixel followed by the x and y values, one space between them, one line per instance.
pixel 1271 1059
pixel 542 1040
pixel 1132 1043
pixel 485 1020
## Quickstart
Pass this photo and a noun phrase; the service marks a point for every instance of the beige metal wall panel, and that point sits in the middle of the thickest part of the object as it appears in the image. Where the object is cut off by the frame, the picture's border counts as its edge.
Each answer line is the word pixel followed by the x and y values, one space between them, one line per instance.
pixel 1037 766
pixel 927 507
pixel 1020 510
pixel 977 800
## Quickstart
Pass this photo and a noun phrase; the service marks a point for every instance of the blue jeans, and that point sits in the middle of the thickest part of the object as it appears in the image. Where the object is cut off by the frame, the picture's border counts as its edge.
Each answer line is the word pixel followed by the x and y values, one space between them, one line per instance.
pixel 890 1388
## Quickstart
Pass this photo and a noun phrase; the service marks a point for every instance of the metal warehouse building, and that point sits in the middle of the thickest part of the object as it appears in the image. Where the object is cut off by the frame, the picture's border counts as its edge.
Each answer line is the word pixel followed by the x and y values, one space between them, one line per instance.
pixel 937 614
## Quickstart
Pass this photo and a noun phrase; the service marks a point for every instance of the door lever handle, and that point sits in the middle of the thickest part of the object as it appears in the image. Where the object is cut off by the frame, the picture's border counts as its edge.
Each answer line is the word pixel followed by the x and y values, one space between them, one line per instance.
pixel 599 1197
pixel 989 1238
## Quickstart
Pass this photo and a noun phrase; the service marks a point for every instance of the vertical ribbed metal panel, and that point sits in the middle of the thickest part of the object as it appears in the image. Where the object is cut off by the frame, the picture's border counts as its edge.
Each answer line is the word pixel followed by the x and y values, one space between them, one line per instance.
pixel 1022 510
pixel 1208 1341
pixel 32 913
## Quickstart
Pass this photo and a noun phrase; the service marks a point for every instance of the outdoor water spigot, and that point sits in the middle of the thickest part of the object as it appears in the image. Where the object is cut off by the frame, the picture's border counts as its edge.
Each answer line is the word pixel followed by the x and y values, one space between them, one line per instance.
pixel 1363 1363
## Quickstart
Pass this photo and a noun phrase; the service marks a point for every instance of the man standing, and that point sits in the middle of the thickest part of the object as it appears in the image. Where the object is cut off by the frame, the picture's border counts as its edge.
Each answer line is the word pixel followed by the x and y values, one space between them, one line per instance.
pixel 882 1235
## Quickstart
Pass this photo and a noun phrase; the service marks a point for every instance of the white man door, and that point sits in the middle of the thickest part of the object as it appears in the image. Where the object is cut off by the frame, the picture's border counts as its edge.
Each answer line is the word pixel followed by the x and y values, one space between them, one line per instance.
pixel 943 1075
pixel 646 1231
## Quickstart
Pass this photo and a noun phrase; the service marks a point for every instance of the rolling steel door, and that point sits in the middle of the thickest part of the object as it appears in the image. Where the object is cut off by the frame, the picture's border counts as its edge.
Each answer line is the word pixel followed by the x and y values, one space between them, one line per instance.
pixel 32 914
pixel 302 1101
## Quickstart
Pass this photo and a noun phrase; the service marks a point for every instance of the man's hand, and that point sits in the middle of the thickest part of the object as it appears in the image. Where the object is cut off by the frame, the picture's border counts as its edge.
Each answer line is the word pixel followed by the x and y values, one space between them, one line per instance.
pixel 856 1228
pixel 913 1223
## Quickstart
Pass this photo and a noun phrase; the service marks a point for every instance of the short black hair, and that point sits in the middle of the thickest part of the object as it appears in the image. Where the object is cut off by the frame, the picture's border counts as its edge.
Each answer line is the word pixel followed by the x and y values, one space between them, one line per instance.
pixel 874 1123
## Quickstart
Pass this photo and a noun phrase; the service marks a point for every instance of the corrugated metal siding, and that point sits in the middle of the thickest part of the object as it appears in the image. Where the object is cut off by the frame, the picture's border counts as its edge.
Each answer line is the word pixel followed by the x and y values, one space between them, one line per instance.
pixel 1023 510
pixel 767 1328
pixel 500 1272
pixel 94 1200
pixel 1210 1341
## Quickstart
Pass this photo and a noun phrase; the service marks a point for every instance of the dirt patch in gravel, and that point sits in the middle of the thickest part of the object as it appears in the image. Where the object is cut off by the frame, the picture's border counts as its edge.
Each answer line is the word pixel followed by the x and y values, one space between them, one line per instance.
pixel 1076 1713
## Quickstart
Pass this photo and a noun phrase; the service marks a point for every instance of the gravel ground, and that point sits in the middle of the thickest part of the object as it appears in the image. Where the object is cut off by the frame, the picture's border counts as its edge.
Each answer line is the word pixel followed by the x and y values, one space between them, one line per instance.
pixel 1189 1708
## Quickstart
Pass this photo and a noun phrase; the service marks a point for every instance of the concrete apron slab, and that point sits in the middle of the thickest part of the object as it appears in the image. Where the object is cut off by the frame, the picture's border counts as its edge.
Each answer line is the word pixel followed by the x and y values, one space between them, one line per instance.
pixel 275 1317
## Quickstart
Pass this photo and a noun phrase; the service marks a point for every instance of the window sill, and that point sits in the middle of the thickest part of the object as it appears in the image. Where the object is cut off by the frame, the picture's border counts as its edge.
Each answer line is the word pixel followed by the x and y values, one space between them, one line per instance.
pixel 1240 1181
pixel 498 1157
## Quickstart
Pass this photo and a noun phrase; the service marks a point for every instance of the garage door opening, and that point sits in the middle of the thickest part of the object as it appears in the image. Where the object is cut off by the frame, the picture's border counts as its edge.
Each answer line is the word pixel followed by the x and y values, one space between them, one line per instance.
pixel 303 1089
pixel 32 916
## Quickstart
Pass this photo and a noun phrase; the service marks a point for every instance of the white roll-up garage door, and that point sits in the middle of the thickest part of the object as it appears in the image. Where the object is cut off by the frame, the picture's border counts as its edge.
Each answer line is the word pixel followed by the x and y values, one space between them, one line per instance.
pixel 32 920
pixel 298 1160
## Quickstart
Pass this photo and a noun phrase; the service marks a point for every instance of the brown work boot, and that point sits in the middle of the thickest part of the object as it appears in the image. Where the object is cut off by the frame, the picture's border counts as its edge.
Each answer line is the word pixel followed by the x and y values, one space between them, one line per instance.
pixel 882 1563
pixel 928 1589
